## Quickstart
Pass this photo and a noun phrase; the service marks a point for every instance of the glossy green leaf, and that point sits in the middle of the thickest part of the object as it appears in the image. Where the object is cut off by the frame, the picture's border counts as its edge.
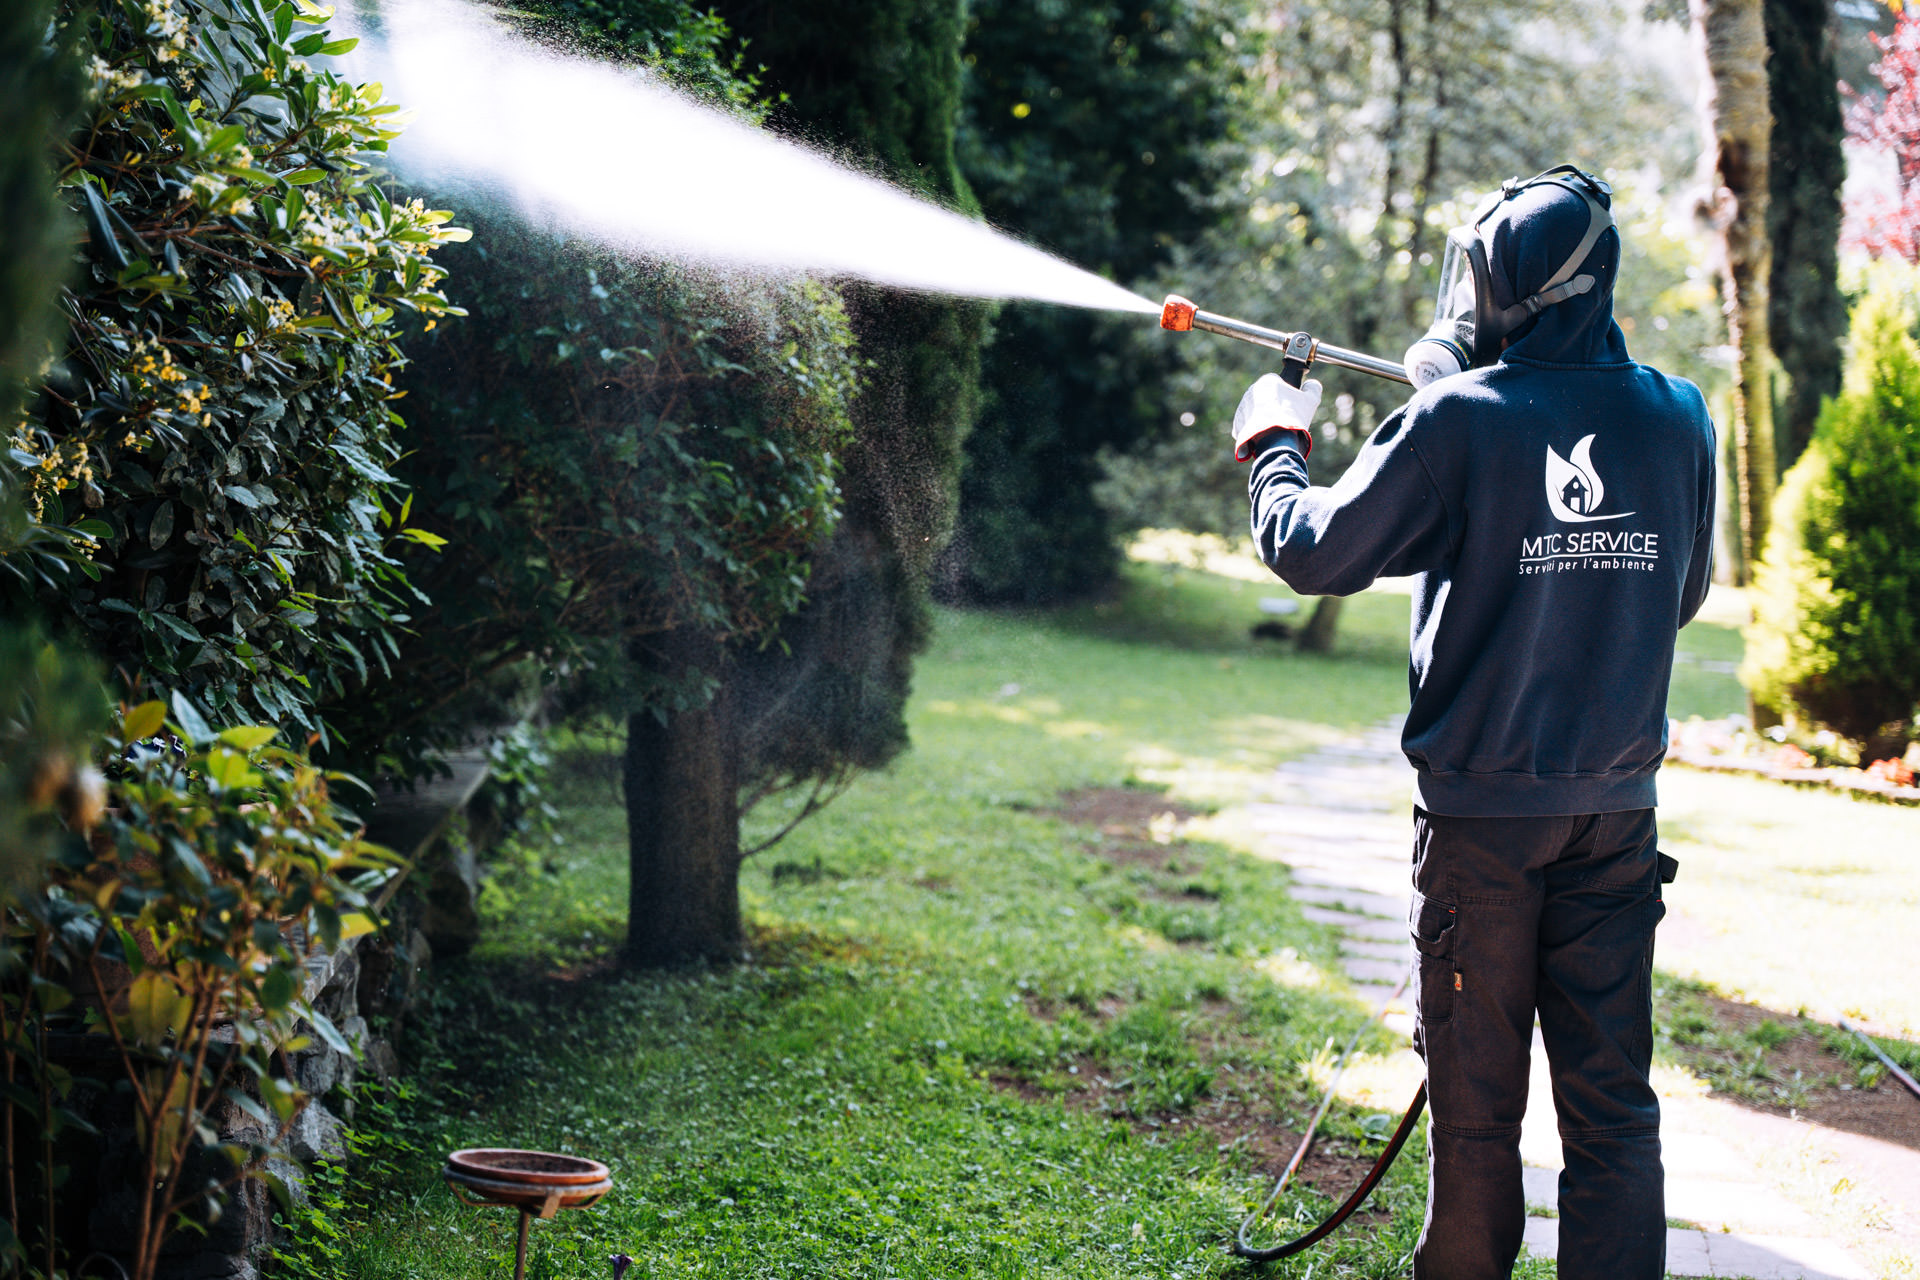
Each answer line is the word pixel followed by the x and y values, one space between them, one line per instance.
pixel 187 718
pixel 278 988
pixel 144 721
pixel 248 737
pixel 229 770
pixel 154 1003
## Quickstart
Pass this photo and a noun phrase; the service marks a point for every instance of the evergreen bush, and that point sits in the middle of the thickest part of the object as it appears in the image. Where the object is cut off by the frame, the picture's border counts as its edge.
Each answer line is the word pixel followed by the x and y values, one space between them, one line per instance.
pixel 50 702
pixel 36 90
pixel 614 450
pixel 640 468
pixel 174 929
pixel 1836 633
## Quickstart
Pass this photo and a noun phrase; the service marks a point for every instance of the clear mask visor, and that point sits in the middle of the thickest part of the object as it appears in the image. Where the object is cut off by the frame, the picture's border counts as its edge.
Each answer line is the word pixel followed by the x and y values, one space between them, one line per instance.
pixel 1454 301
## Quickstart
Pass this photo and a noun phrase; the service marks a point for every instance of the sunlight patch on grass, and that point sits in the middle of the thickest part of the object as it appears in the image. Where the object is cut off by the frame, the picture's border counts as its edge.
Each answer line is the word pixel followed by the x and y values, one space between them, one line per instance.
pixel 1286 968
pixel 1077 729
pixel 1375 1080
pixel 1207 552
pixel 1792 899
pixel 1670 1080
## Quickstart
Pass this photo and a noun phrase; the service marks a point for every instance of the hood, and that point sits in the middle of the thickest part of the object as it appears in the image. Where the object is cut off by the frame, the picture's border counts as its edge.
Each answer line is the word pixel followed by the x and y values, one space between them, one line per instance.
pixel 1527 241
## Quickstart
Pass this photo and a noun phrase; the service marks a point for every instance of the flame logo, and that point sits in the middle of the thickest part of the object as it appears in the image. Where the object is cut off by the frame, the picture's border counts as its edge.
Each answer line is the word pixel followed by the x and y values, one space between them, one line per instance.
pixel 1573 486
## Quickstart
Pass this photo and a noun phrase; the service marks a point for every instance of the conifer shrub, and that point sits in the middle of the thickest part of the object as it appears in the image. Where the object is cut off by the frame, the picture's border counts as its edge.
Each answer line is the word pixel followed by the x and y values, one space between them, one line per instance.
pixel 1836 632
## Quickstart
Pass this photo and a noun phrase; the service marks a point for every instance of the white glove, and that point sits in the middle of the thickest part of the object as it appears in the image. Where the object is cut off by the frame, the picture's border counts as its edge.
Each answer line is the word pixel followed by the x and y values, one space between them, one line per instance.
pixel 1269 404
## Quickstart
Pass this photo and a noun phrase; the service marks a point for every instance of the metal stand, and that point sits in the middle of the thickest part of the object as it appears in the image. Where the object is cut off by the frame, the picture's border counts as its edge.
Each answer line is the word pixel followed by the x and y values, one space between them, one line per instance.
pixel 536 1183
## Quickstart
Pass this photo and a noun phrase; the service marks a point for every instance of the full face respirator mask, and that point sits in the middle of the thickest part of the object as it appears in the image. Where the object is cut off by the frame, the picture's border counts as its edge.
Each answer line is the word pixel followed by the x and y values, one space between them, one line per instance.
pixel 1469 330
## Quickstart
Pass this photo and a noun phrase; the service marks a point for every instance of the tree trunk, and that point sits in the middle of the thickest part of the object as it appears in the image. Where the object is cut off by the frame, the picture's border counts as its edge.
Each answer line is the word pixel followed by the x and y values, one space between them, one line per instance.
pixel 1738 125
pixel 1317 635
pixel 683 823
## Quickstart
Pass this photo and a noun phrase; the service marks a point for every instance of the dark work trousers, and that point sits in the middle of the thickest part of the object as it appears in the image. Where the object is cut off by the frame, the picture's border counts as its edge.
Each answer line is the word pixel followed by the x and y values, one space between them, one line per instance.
pixel 1513 916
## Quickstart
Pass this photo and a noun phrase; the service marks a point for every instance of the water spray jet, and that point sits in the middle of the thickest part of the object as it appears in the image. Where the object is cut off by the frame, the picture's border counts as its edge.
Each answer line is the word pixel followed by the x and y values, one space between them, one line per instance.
pixel 1300 350
pixel 617 156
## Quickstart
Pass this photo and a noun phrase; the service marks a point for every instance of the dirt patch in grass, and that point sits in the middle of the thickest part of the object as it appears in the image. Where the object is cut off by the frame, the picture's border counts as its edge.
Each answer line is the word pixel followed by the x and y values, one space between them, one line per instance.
pixel 1049 1009
pixel 1334 1167
pixel 1237 1121
pixel 1782 1064
pixel 1134 826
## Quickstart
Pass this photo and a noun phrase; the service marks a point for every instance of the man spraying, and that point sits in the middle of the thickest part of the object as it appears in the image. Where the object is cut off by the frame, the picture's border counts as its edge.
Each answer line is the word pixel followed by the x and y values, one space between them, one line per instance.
pixel 1554 501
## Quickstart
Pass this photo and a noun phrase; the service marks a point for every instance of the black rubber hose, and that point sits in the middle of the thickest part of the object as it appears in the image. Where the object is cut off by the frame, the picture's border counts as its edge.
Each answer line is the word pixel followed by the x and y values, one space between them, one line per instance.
pixel 1331 1223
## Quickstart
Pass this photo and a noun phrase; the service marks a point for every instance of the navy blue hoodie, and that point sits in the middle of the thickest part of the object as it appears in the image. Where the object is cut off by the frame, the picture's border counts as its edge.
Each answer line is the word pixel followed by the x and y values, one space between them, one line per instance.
pixel 1557 508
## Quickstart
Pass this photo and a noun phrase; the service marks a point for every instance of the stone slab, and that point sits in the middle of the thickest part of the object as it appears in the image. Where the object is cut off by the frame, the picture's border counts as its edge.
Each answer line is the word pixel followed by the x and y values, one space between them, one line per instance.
pixel 1781 1258
pixel 1368 970
pixel 1696 1155
pixel 1388 882
pixel 1686 1250
pixel 1348 920
pixel 1719 1202
pixel 1354 901
pixel 1687 1253
pixel 1396 951
pixel 405 820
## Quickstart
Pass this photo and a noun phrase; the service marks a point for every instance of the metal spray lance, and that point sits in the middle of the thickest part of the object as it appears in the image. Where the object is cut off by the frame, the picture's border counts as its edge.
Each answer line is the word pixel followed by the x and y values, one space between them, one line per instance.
pixel 1298 351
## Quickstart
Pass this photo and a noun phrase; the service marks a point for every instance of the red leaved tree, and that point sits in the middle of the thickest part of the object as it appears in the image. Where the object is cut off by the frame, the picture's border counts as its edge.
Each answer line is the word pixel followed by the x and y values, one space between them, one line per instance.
pixel 1888 222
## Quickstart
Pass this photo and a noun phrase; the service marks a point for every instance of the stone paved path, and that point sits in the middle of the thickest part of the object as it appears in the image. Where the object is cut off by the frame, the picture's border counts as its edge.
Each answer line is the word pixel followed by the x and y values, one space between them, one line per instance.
pixel 1340 818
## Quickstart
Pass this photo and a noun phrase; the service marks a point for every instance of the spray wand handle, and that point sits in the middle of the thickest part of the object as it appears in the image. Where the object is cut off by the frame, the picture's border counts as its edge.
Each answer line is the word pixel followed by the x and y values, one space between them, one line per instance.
pixel 1300 349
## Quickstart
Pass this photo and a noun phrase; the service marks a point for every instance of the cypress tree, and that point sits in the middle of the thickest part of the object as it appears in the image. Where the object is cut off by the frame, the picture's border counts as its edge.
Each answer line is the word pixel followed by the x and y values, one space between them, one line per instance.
pixel 35 93
pixel 879 84
pixel 1808 313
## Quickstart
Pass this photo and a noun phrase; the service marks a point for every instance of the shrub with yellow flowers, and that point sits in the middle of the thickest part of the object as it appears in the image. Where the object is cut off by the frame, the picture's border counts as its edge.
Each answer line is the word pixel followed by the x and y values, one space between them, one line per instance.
pixel 218 421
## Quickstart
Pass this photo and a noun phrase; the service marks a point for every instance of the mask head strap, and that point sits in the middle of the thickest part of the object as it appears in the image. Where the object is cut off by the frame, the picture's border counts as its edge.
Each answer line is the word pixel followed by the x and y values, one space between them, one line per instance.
pixel 1491 325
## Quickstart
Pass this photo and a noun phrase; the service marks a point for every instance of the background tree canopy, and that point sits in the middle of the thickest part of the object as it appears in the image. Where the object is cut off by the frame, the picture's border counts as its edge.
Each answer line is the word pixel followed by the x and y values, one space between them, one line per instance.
pixel 1367 132
pixel 1101 132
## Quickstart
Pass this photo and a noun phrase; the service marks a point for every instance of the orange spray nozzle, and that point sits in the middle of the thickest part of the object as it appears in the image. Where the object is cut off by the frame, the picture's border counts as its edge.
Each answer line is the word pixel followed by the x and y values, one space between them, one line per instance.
pixel 1301 350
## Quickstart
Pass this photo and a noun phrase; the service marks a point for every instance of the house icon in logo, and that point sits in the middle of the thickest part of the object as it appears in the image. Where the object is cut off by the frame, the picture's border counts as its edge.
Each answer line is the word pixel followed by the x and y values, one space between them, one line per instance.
pixel 1573 486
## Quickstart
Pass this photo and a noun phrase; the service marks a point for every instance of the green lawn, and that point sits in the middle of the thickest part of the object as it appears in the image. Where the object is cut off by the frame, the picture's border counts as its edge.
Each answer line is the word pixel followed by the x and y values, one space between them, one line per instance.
pixel 901 1080
pixel 1795 900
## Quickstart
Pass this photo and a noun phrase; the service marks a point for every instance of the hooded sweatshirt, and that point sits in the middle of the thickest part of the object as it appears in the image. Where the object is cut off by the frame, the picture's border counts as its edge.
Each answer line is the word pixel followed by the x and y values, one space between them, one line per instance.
pixel 1556 511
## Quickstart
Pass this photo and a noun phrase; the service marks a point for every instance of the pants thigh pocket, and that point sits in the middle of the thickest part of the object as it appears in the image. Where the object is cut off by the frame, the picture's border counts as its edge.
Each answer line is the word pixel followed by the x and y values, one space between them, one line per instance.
pixel 1435 975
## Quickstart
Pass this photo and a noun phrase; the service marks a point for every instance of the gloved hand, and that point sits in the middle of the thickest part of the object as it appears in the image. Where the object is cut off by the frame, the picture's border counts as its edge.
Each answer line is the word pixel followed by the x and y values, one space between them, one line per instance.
pixel 1271 405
